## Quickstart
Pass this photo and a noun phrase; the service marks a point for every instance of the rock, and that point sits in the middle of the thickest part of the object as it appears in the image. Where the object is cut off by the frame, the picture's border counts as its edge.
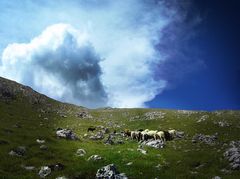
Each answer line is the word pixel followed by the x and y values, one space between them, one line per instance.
pixel 28 168
pixel 98 136
pixel 179 134
pixel 232 154
pixel 154 115
pixel 19 151
pixel 56 167
pixel 216 177
pixel 62 177
pixel 95 158
pixel 43 147
pixel 83 115
pixel 40 141
pixel 67 134
pixel 142 151
pixel 222 123
pixel 207 139
pixel 80 152
pixel 202 118
pixel 110 172
pixel 44 171
pixel 158 144
pixel 129 163
pixel 109 140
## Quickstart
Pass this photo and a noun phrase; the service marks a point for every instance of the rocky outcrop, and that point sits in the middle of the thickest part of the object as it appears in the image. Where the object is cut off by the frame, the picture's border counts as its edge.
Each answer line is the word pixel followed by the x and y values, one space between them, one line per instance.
pixel 44 171
pixel 207 139
pixel 66 133
pixel 10 90
pixel 110 172
pixel 232 154
pixel 157 144
pixel 19 151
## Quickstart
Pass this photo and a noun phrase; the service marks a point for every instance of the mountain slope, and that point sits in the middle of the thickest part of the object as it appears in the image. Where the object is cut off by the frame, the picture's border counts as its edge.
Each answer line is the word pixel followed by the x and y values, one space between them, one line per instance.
pixel 26 116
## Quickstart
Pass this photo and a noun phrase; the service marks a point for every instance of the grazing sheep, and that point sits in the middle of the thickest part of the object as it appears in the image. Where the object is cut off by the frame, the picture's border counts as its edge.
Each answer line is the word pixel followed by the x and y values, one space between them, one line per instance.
pixel 140 130
pixel 167 135
pixel 151 134
pixel 127 132
pixel 135 135
pixel 160 135
pixel 172 133
pixel 144 135
pixel 91 129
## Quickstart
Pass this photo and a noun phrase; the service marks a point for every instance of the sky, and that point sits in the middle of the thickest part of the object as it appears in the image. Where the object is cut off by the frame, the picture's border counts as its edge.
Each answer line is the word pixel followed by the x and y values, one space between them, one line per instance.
pixel 175 54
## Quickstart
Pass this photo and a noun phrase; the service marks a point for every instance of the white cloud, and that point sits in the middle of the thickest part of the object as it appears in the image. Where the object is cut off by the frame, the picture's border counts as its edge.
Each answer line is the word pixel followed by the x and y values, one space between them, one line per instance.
pixel 105 57
pixel 60 63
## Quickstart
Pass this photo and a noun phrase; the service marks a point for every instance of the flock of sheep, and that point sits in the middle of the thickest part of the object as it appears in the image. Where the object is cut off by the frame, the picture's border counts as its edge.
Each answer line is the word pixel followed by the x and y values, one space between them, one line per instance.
pixel 147 134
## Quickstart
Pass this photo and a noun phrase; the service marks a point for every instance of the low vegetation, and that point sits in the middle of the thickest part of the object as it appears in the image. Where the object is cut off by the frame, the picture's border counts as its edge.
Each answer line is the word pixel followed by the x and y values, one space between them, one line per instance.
pixel 30 124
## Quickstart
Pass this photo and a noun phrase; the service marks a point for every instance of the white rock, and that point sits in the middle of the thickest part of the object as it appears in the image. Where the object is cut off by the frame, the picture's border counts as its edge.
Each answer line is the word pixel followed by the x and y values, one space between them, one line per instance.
pixel 95 158
pixel 44 171
pixel 80 152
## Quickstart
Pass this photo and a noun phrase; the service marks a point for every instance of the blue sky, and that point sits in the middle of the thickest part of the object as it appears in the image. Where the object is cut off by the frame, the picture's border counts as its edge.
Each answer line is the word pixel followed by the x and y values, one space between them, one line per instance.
pixel 128 53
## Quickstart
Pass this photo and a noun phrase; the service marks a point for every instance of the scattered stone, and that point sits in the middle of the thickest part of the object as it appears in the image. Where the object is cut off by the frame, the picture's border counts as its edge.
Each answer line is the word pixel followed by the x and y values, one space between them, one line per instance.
pixel 19 151
pixel 110 172
pixel 44 171
pixel 129 163
pixel 142 151
pixel 56 167
pixel 80 152
pixel 222 123
pixel 216 177
pixel 202 118
pixel 66 133
pixel 95 158
pixel 83 115
pixel 43 147
pixel 154 115
pixel 62 177
pixel 179 134
pixel 158 144
pixel 97 136
pixel 109 140
pixel 207 139
pixel 232 154
pixel 28 168
pixel 40 141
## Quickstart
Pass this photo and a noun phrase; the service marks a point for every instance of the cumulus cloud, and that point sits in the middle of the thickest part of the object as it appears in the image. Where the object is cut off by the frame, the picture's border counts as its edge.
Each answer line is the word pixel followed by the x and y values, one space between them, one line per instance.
pixel 102 54
pixel 61 63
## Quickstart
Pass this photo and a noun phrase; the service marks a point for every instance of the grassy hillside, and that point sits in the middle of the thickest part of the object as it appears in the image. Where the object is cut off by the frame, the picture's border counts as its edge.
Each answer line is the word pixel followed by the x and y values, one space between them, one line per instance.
pixel 25 118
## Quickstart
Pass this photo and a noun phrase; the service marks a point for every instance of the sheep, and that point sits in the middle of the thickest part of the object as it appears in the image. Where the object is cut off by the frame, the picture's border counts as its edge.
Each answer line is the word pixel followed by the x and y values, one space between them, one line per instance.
pixel 135 135
pixel 167 135
pixel 91 129
pixel 127 132
pixel 144 135
pixel 151 133
pixel 172 133
pixel 159 135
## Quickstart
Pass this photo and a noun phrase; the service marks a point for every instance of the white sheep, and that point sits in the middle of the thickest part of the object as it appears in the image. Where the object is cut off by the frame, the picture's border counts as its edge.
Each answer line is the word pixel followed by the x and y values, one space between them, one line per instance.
pixel 144 135
pixel 151 133
pixel 135 135
pixel 160 135
pixel 172 133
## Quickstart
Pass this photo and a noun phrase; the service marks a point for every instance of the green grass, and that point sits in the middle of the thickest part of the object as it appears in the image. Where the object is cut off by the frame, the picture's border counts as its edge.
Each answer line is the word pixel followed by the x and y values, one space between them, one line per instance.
pixel 178 159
